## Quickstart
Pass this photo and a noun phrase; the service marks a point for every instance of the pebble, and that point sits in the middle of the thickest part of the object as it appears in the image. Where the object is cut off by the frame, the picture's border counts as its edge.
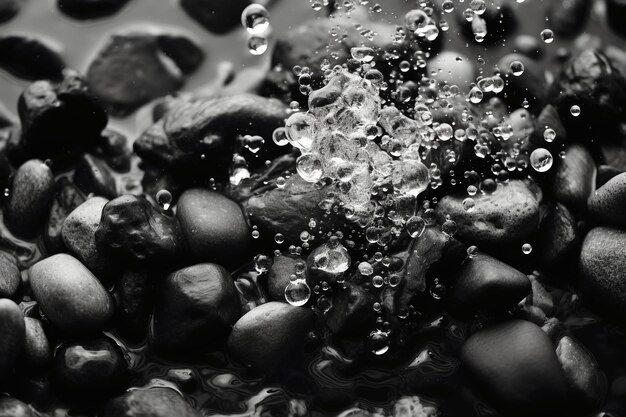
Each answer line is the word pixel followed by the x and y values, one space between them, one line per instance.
pixel 279 275
pixel 12 407
pixel 269 335
pixel 66 198
pixel 90 9
pixel 569 17
pixel 13 330
pixel 79 235
pixel 486 284
pixel 510 214
pixel 10 277
pixel 513 362
pixel 152 402
pixel 195 309
pixel 70 296
pixel 93 176
pixel 606 206
pixel 575 178
pixel 134 302
pixel 9 9
pixel 30 199
pixel 602 268
pixel 558 241
pixel 215 15
pixel 214 227
pixel 36 354
pixel 605 173
pixel 30 58
pixel 351 314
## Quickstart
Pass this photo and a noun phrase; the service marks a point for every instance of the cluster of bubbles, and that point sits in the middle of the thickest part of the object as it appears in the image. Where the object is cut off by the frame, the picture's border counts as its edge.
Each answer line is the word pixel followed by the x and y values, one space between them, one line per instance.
pixel 256 20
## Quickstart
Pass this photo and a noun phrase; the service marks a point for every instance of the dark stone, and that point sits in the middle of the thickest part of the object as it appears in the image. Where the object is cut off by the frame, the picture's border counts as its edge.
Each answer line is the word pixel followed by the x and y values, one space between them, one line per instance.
pixel 183 51
pixel 351 314
pixel 36 353
pixel 153 402
pixel 215 15
pixel 93 176
pixel 89 371
pixel 569 17
pixel 90 9
pixel 128 71
pixel 214 227
pixel 10 276
pixel 613 153
pixel 13 331
pixel 30 58
pixel 209 127
pixel 558 241
pixel 69 295
pixel 66 198
pixel 486 284
pixel 508 216
pixel 591 82
pixel 135 230
pixel 195 310
pixel 30 199
pixel 134 300
pixel 605 173
pixel 515 365
pixel 9 9
pixel 602 268
pixel 582 372
pixel 267 337
pixel 58 121
pixel 12 407
pixel 575 178
pixel 615 13
pixel 529 46
pixel 529 86
pixel 113 148
pixel 606 205
pixel 279 275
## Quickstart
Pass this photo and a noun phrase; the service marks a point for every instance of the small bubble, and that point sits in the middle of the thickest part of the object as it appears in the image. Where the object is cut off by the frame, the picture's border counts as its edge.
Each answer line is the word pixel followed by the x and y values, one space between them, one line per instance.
pixel 547 36
pixel 527 248
pixel 362 53
pixel 517 68
pixel 377 281
pixel 255 19
pixel 164 199
pixel 575 110
pixel 541 160
pixel 280 182
pixel 366 269
pixel 469 204
pixel 297 293
pixel 262 263
pixel 257 45
pixel 415 226
pixel 255 234
pixel 378 342
pixel 437 289
pixel 449 227
pixel 472 252
pixel 279 238
pixel 549 135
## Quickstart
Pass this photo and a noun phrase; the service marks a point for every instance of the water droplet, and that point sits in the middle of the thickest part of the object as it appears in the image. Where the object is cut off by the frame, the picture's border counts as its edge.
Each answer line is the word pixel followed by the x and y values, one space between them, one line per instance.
pixel 469 204
pixel 255 19
pixel 527 248
pixel 517 68
pixel 324 303
pixel 309 167
pixel 257 45
pixel 378 342
pixel 575 110
pixel 279 238
pixel 255 234
pixel 478 6
pixel 444 131
pixel 366 269
pixel 362 53
pixel 472 252
pixel 448 6
pixel 415 226
pixel 253 143
pixel 297 293
pixel 437 289
pixel 280 182
pixel 476 95
pixel 164 199
pixel 547 36
pixel 262 263
pixel 541 160
pixel 377 281
pixel 449 227
pixel 549 135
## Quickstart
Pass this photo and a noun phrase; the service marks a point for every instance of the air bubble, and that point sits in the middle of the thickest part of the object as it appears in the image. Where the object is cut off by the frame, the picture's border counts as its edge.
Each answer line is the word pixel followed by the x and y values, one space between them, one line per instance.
pixel 164 199
pixel 257 45
pixel 547 36
pixel 362 53
pixel 255 19
pixel 575 110
pixel 297 293
pixel 517 68
pixel 549 135
pixel 541 160
pixel 415 226
pixel 527 248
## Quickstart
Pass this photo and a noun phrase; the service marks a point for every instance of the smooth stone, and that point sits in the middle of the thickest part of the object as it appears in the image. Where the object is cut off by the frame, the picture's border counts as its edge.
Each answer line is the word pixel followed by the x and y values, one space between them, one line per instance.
pixel 616 13
pixel 515 365
pixel 575 178
pixel 89 371
pixel 352 312
pixel 13 331
pixel 603 271
pixel 486 284
pixel 528 45
pixel 30 199
pixel 569 17
pixel 9 9
pixel 135 231
pixel 452 69
pixel 36 354
pixel 10 276
pixel 152 402
pixel 279 274
pixel 606 206
pixel 90 9
pixel 214 227
pixel 30 58
pixel 582 372
pixel 93 176
pixel 216 16
pixel 79 234
pixel 58 121
pixel 113 147
pixel 66 198
pixel 12 407
pixel 507 216
pixel 605 173
pixel 134 302
pixel 558 240
pixel 129 71
pixel 70 296
pixel 195 309
pixel 269 335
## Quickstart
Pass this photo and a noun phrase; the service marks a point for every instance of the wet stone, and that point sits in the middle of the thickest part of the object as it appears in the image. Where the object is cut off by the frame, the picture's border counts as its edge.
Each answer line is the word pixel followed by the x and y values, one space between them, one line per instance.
pixel 90 9
pixel 606 205
pixel 13 329
pixel 30 58
pixel 93 176
pixel 66 198
pixel 136 56
pixel 114 149
pixel 153 402
pixel 215 15
pixel 568 17
pixel 134 300
pixel 575 178
pixel 10 277
pixel 36 354
pixel 9 9
pixel 12 407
